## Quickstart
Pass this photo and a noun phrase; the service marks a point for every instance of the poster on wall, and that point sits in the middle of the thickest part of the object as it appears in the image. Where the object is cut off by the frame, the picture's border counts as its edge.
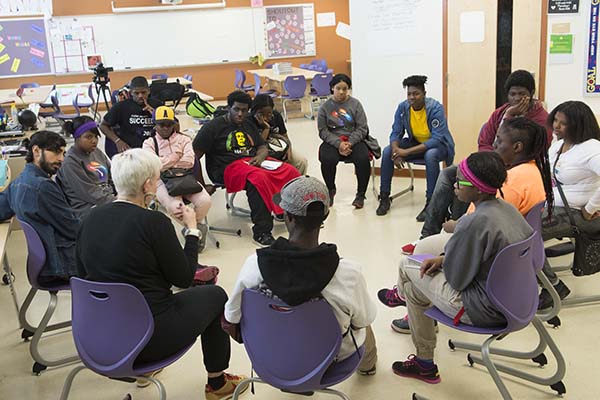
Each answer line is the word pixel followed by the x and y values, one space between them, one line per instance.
pixel 563 6
pixel 72 45
pixel 24 47
pixel 592 84
pixel 11 8
pixel 290 31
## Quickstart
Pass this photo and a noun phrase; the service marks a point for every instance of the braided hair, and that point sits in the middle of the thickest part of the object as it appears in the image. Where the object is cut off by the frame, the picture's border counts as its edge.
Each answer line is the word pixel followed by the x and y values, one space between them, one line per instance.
pixel 535 142
pixel 489 168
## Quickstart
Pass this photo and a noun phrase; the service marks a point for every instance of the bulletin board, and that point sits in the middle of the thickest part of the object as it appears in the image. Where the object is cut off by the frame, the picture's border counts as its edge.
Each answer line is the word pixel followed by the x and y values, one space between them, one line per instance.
pixel 290 31
pixel 71 43
pixel 24 48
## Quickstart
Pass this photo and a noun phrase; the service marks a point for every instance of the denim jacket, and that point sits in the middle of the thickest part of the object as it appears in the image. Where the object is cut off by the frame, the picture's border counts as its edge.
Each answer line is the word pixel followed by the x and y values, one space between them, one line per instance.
pixel 36 199
pixel 436 121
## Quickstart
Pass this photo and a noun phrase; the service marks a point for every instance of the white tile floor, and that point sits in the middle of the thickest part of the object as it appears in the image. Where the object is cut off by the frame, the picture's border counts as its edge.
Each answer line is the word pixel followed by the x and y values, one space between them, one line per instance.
pixel 360 235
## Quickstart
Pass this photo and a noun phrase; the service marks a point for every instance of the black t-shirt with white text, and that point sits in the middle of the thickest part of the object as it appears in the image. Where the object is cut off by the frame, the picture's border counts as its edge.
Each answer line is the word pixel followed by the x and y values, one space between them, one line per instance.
pixel 133 122
pixel 224 142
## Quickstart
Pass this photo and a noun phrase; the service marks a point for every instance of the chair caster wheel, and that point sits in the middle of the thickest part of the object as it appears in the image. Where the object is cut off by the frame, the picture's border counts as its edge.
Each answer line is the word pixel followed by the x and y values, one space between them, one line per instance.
pixel 238 232
pixel 127 397
pixel 227 206
pixel 414 396
pixel 470 360
pixel 451 345
pixel 541 360
pixel 555 322
pixel 5 278
pixel 218 244
pixel 38 368
pixel 25 335
pixel 559 387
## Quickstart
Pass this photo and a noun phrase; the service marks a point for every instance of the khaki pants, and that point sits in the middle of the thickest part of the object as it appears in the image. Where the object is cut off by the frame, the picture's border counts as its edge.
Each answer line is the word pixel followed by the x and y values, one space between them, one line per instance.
pixel 421 294
pixel 370 358
pixel 298 161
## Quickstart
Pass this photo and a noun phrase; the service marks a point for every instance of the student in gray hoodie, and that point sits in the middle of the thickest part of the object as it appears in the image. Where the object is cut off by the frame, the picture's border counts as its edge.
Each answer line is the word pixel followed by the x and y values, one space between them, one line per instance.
pixel 342 125
pixel 85 174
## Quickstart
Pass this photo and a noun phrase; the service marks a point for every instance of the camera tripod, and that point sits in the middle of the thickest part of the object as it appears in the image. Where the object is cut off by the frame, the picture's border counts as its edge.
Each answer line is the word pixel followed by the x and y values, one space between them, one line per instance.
pixel 101 88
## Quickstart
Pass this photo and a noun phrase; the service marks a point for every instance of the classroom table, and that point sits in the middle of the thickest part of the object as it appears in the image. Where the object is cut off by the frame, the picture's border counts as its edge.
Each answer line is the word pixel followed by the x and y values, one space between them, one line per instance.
pixel 30 96
pixel 276 82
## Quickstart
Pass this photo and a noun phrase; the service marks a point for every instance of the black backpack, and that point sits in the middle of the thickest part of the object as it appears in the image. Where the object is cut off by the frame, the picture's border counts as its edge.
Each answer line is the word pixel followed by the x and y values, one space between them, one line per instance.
pixel 164 92
pixel 198 108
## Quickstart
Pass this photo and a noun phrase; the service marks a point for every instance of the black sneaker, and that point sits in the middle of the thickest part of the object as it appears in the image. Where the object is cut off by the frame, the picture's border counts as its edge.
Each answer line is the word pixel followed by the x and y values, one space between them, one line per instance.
pixel 359 201
pixel 423 214
pixel 546 299
pixel 264 239
pixel 384 205
pixel 413 368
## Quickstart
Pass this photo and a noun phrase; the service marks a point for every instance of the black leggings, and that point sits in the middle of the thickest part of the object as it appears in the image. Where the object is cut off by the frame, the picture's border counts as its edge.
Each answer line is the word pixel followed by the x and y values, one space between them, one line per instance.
pixel 329 157
pixel 196 312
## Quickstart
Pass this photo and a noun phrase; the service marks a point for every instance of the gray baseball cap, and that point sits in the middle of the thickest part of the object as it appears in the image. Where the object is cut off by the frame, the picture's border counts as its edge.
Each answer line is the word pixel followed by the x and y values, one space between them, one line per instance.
pixel 299 193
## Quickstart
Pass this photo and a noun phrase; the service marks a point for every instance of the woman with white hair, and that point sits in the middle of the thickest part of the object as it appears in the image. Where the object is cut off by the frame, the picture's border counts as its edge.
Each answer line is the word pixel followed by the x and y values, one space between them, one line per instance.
pixel 140 247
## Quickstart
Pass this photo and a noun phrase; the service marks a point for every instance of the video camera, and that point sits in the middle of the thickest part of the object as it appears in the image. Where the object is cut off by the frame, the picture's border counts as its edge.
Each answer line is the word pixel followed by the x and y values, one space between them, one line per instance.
pixel 101 74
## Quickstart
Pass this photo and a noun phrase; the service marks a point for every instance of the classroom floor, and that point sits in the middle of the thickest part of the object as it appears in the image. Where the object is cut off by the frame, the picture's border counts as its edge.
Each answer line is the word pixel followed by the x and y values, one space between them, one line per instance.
pixel 360 235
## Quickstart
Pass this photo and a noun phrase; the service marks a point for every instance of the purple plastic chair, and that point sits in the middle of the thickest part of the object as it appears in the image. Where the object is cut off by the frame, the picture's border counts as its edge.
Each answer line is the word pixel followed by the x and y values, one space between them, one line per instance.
pixel 293 348
pixel 36 259
pixel 240 81
pixel 295 86
pixel 319 91
pixel 159 76
pixel 59 115
pixel 85 104
pixel 47 106
pixel 258 86
pixel 511 287
pixel 29 85
pixel 112 324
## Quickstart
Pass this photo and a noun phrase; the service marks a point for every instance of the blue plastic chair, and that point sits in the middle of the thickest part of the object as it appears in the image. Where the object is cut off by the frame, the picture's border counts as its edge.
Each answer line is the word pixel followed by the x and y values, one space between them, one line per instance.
pixel 512 289
pixel 293 348
pixel 159 76
pixel 258 87
pixel 112 324
pixel 319 91
pixel 36 259
pixel 240 81
pixel 29 85
pixel 295 86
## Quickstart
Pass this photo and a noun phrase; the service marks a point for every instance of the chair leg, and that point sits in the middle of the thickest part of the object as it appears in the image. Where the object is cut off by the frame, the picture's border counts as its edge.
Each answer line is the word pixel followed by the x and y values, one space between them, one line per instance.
pixel 10 282
pixel 554 381
pixel 40 362
pixel 237 211
pixel 162 393
pixel 334 393
pixel 485 354
pixel 375 191
pixel 410 187
pixel 28 329
pixel 240 388
pixel 64 395
pixel 284 110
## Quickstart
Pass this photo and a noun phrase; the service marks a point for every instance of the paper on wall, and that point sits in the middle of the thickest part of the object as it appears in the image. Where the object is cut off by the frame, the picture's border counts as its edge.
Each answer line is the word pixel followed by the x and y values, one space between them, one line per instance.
pixel 343 30
pixel 472 27
pixel 325 19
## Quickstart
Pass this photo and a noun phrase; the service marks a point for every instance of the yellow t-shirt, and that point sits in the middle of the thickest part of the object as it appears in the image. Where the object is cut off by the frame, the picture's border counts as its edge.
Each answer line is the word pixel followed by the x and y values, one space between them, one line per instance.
pixel 418 125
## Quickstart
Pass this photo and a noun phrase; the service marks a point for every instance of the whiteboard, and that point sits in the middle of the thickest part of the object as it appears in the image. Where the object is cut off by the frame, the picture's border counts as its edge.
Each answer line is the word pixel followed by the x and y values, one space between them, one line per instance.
pixel 170 38
pixel 393 39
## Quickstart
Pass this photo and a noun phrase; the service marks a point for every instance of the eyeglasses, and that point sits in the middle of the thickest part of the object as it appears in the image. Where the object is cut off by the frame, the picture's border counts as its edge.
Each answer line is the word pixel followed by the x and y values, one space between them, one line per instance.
pixel 460 183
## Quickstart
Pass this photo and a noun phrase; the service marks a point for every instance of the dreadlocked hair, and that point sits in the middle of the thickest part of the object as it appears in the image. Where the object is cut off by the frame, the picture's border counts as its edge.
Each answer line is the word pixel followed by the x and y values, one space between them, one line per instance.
pixel 535 144
pixel 488 167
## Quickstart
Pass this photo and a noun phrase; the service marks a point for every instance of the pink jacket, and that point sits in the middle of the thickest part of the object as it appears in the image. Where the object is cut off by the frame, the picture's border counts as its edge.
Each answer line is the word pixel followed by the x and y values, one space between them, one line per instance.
pixel 174 152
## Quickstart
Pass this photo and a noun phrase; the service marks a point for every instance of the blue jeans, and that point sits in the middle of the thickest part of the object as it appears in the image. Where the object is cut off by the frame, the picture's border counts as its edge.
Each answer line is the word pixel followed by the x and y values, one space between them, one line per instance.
pixel 432 157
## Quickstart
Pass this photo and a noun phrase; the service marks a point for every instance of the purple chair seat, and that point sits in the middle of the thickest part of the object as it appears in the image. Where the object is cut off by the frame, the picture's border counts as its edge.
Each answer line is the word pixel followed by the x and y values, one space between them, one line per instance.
pixel 309 334
pixel 436 314
pixel 112 324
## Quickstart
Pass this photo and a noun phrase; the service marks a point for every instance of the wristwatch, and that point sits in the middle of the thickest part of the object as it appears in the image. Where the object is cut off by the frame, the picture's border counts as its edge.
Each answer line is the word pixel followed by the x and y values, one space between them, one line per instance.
pixel 187 231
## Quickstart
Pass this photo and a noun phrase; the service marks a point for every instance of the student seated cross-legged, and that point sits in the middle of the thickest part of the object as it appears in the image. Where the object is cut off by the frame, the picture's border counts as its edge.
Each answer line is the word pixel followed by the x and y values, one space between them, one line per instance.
pixel 521 143
pixel 235 152
pixel 175 152
pixel 299 269
pixel 455 283
pixel 85 174
pixel 125 242
pixel 420 130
